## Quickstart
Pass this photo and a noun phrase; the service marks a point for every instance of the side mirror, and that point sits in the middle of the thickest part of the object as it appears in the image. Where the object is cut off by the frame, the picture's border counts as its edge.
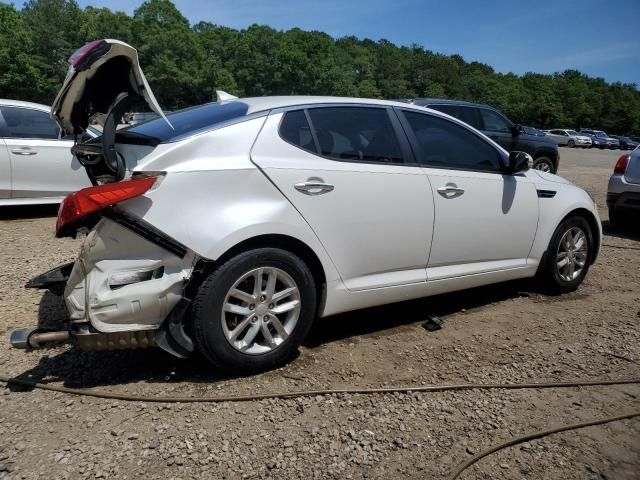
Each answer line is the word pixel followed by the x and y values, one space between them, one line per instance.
pixel 519 162
pixel 517 130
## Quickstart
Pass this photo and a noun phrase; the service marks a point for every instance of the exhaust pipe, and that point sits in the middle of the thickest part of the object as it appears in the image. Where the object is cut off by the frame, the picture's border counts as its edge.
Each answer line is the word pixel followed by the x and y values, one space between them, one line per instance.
pixel 26 338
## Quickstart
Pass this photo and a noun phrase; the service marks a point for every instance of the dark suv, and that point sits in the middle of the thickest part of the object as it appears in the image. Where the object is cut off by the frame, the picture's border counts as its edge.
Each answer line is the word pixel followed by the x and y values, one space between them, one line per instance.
pixel 495 125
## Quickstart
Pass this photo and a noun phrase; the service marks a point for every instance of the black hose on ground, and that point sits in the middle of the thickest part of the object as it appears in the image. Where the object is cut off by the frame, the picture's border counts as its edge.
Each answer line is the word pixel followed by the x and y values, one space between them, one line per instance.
pixel 532 436
pixel 310 393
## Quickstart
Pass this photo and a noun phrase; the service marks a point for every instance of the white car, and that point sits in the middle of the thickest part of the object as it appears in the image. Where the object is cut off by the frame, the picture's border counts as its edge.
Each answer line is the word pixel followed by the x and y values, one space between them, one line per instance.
pixel 570 138
pixel 36 164
pixel 234 225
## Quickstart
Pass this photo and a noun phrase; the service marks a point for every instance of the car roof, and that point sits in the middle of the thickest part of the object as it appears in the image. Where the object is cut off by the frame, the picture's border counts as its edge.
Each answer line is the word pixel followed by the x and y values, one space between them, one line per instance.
pixel 19 103
pixel 259 104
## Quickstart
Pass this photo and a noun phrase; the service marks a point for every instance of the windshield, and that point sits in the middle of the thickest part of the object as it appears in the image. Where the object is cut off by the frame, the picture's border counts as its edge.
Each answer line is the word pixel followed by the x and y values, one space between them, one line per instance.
pixel 572 132
pixel 601 134
pixel 187 122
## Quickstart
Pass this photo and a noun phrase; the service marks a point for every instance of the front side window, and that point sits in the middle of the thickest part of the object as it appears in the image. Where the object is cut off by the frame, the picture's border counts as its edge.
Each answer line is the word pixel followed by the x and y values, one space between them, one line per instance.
pixel 355 134
pixel 493 122
pixel 443 144
pixel 28 123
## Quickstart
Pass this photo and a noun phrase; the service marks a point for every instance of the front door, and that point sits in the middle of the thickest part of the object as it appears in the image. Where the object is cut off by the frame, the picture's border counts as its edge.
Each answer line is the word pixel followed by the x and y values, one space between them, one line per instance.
pixel 485 221
pixel 346 170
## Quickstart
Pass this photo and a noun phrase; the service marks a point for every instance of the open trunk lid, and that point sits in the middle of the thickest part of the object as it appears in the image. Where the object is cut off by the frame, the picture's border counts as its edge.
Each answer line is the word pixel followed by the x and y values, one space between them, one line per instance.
pixel 104 79
pixel 101 74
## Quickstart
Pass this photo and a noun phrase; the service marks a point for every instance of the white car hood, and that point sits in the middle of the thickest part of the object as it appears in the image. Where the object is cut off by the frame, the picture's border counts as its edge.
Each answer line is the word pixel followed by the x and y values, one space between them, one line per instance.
pixel 100 72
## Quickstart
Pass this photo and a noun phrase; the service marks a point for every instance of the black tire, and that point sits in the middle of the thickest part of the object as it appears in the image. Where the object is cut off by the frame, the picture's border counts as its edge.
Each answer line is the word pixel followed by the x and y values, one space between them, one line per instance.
pixel 540 162
pixel 207 312
pixel 571 144
pixel 616 219
pixel 549 275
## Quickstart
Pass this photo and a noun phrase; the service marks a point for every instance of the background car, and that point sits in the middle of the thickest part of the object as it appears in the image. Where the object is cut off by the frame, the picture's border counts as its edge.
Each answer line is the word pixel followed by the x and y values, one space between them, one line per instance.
pixel 36 165
pixel 626 143
pixel 570 138
pixel 600 139
pixel 623 194
pixel 500 129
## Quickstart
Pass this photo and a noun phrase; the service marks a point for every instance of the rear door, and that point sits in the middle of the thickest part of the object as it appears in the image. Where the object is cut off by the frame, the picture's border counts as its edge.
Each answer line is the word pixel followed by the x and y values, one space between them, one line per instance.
pixel 485 221
pixel 350 172
pixel 41 164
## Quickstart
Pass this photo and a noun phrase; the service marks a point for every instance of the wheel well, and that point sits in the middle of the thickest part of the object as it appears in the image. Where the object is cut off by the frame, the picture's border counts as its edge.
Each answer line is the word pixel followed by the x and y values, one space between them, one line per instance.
pixel 284 242
pixel 593 223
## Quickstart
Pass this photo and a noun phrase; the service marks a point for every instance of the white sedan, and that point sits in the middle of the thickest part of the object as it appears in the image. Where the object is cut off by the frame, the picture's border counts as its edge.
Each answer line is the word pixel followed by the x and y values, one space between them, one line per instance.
pixel 36 164
pixel 230 227
pixel 570 138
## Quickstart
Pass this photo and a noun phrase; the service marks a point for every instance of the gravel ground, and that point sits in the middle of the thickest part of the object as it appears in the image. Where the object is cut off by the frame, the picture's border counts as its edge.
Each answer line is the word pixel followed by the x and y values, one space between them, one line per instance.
pixel 502 333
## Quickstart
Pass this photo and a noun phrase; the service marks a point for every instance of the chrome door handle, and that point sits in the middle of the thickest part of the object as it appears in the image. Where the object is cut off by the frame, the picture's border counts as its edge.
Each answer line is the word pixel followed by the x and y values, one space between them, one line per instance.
pixel 450 191
pixel 24 151
pixel 312 187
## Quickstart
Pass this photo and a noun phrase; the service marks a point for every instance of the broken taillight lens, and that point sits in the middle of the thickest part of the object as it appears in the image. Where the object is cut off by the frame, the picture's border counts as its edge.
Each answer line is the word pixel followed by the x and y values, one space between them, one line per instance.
pixel 82 58
pixel 87 201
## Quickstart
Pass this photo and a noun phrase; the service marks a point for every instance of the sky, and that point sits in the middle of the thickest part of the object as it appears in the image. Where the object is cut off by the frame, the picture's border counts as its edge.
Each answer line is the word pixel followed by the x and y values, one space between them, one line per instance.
pixel 598 37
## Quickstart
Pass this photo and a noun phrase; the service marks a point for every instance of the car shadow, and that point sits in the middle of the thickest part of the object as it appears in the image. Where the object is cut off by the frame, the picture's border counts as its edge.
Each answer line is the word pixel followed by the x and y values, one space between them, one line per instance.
pixel 628 231
pixel 19 212
pixel 80 369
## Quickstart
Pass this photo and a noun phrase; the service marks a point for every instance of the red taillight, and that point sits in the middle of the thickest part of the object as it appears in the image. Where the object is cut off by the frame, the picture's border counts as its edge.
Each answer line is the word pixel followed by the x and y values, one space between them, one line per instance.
pixel 621 164
pixel 82 57
pixel 93 199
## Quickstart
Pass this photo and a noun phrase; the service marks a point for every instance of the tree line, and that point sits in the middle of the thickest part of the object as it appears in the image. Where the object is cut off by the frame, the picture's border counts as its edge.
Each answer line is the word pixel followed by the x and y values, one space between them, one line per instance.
pixel 186 63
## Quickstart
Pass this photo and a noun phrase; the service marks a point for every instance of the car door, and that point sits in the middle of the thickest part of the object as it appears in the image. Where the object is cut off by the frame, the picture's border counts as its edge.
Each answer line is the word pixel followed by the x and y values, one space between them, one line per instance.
pixel 41 164
pixel 485 221
pixel 497 128
pixel 350 172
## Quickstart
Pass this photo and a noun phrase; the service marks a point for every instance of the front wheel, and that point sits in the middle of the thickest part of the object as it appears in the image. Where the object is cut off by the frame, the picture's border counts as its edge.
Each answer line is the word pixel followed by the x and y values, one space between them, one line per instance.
pixel 571 144
pixel 544 164
pixel 253 312
pixel 567 260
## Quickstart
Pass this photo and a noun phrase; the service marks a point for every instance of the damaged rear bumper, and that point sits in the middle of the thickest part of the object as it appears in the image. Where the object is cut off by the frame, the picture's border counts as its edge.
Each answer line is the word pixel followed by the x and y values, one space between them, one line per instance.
pixel 125 290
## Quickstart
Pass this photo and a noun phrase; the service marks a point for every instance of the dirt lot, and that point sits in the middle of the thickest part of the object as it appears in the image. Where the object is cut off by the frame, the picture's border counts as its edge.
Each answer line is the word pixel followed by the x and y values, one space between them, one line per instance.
pixel 503 333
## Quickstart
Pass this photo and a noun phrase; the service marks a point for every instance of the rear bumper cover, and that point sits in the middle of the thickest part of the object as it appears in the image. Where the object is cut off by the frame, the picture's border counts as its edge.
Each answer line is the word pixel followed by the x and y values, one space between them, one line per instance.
pixel 113 251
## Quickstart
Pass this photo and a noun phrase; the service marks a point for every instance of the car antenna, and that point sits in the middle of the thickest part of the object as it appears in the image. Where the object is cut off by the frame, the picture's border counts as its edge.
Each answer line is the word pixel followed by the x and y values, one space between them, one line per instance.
pixel 224 97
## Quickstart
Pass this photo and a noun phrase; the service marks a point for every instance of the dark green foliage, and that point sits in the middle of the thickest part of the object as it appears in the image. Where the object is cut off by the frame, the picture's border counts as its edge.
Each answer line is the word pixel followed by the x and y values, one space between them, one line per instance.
pixel 185 64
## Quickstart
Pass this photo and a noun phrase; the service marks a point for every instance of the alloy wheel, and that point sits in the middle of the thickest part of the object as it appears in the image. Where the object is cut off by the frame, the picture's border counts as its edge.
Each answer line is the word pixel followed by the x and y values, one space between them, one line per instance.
pixel 261 310
pixel 572 254
pixel 543 166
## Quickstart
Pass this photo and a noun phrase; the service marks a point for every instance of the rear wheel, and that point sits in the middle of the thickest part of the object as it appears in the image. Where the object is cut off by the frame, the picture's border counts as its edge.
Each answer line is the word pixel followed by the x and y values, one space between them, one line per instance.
pixel 544 164
pixel 615 217
pixel 567 260
pixel 253 312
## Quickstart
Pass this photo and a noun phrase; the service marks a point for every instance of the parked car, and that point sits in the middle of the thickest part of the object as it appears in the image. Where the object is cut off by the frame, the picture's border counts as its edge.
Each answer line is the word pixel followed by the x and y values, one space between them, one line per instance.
pixel 499 128
pixel 600 139
pixel 36 164
pixel 623 194
pixel 626 143
pixel 232 230
pixel 570 138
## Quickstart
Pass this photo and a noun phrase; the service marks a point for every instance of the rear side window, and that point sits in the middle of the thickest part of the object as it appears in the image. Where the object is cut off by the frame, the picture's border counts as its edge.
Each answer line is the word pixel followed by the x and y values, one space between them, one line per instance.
pixel 188 121
pixel 443 144
pixel 295 130
pixel 494 122
pixel 468 115
pixel 28 123
pixel 355 134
